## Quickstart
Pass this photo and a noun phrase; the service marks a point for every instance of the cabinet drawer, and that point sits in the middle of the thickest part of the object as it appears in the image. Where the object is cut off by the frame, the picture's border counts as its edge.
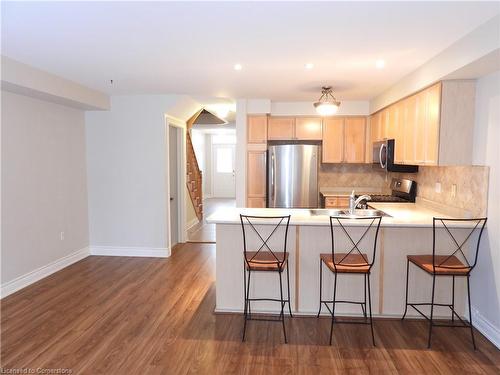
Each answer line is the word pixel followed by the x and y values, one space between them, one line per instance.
pixel 340 201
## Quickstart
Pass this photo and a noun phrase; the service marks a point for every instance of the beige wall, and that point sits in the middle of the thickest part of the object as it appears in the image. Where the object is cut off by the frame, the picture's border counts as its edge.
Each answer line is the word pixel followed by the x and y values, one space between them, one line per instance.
pixel 44 186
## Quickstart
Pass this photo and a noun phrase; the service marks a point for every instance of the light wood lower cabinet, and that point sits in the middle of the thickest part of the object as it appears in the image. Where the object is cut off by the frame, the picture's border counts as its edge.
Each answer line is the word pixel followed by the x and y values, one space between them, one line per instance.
pixel 256 178
pixel 337 201
pixel 256 202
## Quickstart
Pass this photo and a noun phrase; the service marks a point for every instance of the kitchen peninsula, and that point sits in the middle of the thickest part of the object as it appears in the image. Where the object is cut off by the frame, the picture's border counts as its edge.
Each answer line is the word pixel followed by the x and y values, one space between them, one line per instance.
pixel 407 230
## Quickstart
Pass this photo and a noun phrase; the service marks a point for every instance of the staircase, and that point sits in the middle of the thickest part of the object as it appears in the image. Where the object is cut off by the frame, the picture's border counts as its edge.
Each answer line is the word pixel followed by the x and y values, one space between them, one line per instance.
pixel 193 172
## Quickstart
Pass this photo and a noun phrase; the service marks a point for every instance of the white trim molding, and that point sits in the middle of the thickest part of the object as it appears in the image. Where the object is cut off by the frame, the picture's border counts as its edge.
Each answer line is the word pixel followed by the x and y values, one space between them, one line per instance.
pixel 121 251
pixel 484 326
pixel 32 277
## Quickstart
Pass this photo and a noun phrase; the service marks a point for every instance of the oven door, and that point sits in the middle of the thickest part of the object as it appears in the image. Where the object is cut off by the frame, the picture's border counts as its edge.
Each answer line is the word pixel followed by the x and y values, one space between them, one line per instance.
pixel 380 155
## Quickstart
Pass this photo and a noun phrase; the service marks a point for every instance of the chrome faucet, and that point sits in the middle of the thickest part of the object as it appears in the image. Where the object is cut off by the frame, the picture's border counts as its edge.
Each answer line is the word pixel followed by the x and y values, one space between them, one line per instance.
pixel 353 202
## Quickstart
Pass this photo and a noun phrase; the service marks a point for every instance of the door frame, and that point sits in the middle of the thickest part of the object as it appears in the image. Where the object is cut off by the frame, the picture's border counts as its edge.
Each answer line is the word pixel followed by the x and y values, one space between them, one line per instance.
pixel 214 167
pixel 181 179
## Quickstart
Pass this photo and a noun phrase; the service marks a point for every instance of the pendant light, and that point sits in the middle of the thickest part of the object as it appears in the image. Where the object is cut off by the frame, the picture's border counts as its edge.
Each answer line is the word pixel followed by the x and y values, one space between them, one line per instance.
pixel 327 105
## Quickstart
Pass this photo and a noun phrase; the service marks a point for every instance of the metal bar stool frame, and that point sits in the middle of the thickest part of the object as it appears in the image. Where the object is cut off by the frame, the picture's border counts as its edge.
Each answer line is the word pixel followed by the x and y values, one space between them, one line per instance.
pixel 466 271
pixel 277 263
pixel 375 224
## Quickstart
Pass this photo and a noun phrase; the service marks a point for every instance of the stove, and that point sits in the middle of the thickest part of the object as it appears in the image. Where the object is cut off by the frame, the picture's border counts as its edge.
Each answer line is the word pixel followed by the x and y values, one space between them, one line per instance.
pixel 403 191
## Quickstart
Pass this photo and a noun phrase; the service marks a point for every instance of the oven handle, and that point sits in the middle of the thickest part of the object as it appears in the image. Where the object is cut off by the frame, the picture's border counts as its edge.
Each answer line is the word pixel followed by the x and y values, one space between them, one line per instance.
pixel 380 156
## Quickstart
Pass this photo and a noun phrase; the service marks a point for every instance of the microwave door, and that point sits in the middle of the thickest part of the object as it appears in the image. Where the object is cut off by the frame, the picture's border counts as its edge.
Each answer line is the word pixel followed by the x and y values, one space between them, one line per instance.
pixel 383 156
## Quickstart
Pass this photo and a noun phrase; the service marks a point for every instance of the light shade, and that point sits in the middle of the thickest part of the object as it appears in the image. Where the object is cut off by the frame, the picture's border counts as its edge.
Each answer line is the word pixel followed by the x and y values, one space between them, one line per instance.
pixel 326 108
pixel 327 105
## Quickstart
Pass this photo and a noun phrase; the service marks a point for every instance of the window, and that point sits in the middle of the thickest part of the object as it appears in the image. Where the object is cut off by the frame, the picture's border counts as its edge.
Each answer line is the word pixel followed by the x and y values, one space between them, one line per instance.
pixel 224 160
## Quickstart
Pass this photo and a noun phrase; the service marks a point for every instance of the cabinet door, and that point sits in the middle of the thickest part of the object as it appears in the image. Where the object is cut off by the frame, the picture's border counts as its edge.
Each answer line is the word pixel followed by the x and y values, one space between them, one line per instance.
pixel 257 129
pixel 343 202
pixel 432 120
pixel 398 131
pixel 280 128
pixel 354 139
pixel 330 202
pixel 256 174
pixel 375 127
pixel 420 124
pixel 409 118
pixel 256 202
pixel 308 128
pixel 333 140
pixel 384 124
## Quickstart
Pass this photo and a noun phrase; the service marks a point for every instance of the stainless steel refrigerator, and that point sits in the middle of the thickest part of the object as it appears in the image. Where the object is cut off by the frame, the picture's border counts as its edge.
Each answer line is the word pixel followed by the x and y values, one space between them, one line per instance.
pixel 293 176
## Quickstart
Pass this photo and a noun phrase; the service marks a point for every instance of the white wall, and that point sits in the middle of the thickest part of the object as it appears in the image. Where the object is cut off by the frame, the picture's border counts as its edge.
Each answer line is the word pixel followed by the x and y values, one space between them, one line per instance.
pixel 359 107
pixel 486 276
pixel 127 171
pixel 471 48
pixel 44 188
pixel 30 81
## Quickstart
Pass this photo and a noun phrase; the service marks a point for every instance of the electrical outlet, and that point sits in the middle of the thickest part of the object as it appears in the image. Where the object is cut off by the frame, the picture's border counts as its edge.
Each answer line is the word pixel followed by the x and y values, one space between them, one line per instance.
pixel 438 187
pixel 453 190
pixel 62 236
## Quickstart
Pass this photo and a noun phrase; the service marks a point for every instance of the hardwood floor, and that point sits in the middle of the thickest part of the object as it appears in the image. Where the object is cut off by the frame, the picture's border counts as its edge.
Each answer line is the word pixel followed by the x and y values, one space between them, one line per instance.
pixel 121 315
pixel 203 232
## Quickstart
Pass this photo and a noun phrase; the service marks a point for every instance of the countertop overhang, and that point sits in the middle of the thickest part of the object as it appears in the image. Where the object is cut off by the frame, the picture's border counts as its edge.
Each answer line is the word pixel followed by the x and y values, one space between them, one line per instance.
pixel 402 215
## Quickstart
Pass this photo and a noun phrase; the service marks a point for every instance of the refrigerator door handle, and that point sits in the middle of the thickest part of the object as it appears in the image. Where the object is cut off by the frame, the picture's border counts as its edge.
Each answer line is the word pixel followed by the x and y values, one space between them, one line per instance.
pixel 273 184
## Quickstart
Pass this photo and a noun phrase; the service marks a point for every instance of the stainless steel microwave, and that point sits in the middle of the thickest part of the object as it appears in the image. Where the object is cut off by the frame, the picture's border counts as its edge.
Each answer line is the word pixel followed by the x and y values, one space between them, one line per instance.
pixel 383 158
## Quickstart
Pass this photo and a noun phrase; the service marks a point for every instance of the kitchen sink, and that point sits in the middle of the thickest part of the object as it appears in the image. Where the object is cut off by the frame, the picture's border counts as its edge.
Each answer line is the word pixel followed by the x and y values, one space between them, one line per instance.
pixel 365 213
pixel 346 213
pixel 326 212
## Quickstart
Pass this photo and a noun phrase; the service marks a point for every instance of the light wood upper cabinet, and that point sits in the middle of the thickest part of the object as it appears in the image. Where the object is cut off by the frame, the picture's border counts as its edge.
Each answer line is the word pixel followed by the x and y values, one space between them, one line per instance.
pixel 256 174
pixel 354 139
pixel 333 140
pixel 290 128
pixel 433 106
pixel 375 127
pixel 308 128
pixel 257 129
pixel 344 140
pixel 409 119
pixel 432 127
pixel 281 128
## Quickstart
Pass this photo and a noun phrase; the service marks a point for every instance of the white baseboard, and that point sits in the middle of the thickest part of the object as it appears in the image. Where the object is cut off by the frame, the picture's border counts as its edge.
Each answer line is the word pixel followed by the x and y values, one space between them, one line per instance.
pixel 120 251
pixel 484 326
pixel 42 272
pixel 192 223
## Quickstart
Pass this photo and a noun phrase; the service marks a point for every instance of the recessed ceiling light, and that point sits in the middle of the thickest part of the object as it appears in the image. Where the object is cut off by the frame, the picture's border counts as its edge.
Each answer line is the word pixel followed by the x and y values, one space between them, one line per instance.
pixel 380 64
pixel 237 67
pixel 309 66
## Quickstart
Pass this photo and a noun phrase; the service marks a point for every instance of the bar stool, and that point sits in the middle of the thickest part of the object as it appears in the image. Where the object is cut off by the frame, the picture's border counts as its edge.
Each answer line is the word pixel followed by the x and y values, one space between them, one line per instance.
pixel 351 262
pixel 265 259
pixel 454 264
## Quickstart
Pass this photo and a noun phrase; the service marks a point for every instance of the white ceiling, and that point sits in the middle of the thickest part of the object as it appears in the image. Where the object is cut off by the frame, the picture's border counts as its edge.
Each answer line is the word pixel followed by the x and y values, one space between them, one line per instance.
pixel 190 48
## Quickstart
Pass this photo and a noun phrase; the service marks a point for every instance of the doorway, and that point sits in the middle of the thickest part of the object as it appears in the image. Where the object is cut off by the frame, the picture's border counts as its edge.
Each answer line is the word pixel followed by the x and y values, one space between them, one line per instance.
pixel 223 181
pixel 174 182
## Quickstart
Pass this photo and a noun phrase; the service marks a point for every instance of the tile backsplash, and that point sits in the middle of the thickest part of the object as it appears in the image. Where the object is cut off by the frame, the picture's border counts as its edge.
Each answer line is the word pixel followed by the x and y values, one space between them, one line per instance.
pixel 352 176
pixel 471 186
pixel 471 183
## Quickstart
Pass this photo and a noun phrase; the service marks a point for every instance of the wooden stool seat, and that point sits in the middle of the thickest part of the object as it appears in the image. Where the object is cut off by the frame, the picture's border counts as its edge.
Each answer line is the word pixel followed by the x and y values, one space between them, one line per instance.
pixel 264 261
pixel 451 266
pixel 352 263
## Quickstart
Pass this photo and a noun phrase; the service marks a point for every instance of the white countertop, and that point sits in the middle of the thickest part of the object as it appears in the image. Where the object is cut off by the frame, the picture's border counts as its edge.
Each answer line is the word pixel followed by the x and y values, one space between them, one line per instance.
pixel 403 215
